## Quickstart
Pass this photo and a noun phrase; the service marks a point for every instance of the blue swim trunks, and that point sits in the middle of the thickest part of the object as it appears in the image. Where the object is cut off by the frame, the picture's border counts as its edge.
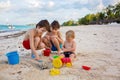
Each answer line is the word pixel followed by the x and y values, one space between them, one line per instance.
pixel 54 48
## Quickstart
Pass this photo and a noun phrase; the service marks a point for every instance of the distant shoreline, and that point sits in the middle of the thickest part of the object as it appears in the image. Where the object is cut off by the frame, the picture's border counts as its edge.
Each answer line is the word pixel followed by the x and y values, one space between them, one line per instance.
pixel 11 34
pixel 112 24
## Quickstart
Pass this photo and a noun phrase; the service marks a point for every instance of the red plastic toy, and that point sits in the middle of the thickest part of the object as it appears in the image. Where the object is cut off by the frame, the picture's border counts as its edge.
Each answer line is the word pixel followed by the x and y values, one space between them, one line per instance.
pixel 66 60
pixel 86 67
pixel 47 52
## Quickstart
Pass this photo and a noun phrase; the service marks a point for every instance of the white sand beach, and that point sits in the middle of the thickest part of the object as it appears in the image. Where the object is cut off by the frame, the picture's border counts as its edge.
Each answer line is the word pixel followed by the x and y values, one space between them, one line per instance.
pixel 98 46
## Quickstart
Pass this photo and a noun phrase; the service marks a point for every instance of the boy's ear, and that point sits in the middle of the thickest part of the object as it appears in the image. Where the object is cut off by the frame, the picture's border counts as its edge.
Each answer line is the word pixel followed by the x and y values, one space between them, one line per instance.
pixel 37 27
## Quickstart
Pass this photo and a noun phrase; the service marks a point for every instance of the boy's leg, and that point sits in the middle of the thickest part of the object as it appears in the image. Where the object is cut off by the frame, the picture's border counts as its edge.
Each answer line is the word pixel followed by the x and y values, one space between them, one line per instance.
pixel 46 42
pixel 41 45
pixel 72 57
pixel 62 55
pixel 57 45
pixel 37 42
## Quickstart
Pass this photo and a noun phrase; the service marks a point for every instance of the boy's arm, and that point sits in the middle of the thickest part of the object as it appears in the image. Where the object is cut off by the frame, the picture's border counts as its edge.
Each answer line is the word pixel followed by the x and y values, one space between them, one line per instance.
pixel 71 49
pixel 63 47
pixel 32 46
pixel 59 38
pixel 47 36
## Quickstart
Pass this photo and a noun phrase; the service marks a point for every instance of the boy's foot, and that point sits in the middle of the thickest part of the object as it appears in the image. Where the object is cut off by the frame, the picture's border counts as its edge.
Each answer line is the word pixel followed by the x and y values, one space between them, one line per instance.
pixel 37 59
pixel 59 52
pixel 51 58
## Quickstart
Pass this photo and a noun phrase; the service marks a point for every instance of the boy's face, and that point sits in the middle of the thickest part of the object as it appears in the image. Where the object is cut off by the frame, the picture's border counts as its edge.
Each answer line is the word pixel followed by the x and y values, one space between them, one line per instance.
pixel 41 30
pixel 54 30
pixel 69 39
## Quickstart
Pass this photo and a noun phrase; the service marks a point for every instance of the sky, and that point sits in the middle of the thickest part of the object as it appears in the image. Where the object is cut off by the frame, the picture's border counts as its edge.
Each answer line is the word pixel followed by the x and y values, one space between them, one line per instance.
pixel 23 12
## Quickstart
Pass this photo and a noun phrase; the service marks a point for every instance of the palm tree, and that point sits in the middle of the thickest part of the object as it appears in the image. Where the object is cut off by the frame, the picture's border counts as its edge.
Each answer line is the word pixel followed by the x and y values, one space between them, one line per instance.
pixel 110 13
pixel 117 12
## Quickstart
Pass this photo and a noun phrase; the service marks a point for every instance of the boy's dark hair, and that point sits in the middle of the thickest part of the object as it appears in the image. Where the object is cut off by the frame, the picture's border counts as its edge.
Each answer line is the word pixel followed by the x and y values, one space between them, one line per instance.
pixel 55 25
pixel 43 23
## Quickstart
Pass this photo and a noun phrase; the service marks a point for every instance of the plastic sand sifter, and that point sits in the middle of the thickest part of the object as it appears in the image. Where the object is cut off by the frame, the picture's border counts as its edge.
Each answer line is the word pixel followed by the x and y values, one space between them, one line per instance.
pixel 13 57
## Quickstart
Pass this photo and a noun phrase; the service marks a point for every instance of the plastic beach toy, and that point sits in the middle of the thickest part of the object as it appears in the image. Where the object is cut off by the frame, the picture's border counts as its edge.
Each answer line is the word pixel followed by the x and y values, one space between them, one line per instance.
pixel 54 72
pixel 57 63
pixel 13 57
pixel 86 67
pixel 68 64
pixel 32 55
pixel 47 52
pixel 66 60
pixel 55 56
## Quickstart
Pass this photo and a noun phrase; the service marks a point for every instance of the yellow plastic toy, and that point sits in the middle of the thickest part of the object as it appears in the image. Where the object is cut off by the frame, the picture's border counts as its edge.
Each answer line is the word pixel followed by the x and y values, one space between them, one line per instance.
pixel 57 63
pixel 60 57
pixel 68 64
pixel 54 72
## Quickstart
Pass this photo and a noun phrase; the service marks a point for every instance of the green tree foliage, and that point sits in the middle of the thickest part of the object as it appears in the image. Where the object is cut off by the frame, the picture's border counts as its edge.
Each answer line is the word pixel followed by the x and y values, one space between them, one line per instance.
pixel 70 23
pixel 108 15
pixel 117 12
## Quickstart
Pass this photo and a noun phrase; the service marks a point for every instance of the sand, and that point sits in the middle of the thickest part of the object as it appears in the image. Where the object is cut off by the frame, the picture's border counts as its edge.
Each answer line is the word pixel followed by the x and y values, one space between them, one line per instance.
pixel 98 46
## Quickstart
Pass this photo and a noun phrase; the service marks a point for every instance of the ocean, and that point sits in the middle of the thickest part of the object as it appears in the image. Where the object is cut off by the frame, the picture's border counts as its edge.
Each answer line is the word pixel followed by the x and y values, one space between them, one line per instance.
pixel 6 28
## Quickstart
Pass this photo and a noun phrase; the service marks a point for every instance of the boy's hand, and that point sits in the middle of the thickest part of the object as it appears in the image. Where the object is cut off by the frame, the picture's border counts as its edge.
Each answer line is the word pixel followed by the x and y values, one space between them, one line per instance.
pixel 64 50
pixel 48 37
pixel 53 37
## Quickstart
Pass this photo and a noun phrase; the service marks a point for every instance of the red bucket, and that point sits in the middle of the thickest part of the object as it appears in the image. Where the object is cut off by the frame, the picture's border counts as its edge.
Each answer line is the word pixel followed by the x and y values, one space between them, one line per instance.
pixel 47 52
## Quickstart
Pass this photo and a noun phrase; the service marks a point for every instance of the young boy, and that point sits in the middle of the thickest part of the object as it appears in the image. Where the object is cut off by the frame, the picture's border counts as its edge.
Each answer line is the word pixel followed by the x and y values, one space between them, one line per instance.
pixel 32 39
pixel 53 38
pixel 69 46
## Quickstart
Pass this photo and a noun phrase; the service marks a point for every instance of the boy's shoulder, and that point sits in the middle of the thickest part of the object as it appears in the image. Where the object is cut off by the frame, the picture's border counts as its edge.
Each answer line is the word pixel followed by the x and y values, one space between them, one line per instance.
pixel 30 31
pixel 74 42
pixel 59 33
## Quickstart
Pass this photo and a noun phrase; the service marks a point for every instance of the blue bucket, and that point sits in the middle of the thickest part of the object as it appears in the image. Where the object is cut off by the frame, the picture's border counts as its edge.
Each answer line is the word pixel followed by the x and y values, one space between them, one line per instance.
pixel 13 57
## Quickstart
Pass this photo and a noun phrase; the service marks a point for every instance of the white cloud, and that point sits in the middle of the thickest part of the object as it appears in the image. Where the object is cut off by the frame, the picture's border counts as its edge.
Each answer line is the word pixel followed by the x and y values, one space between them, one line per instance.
pixel 5 4
pixel 96 5
pixel 85 11
pixel 40 4
pixel 65 15
pixel 115 1
pixel 100 7
pixel 93 2
pixel 77 1
pixel 51 4
pixel 35 3
pixel 83 1
pixel 31 11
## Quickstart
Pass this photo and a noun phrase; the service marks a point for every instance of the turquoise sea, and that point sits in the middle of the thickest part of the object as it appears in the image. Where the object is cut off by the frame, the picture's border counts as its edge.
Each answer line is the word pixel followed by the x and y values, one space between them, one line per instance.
pixel 6 28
